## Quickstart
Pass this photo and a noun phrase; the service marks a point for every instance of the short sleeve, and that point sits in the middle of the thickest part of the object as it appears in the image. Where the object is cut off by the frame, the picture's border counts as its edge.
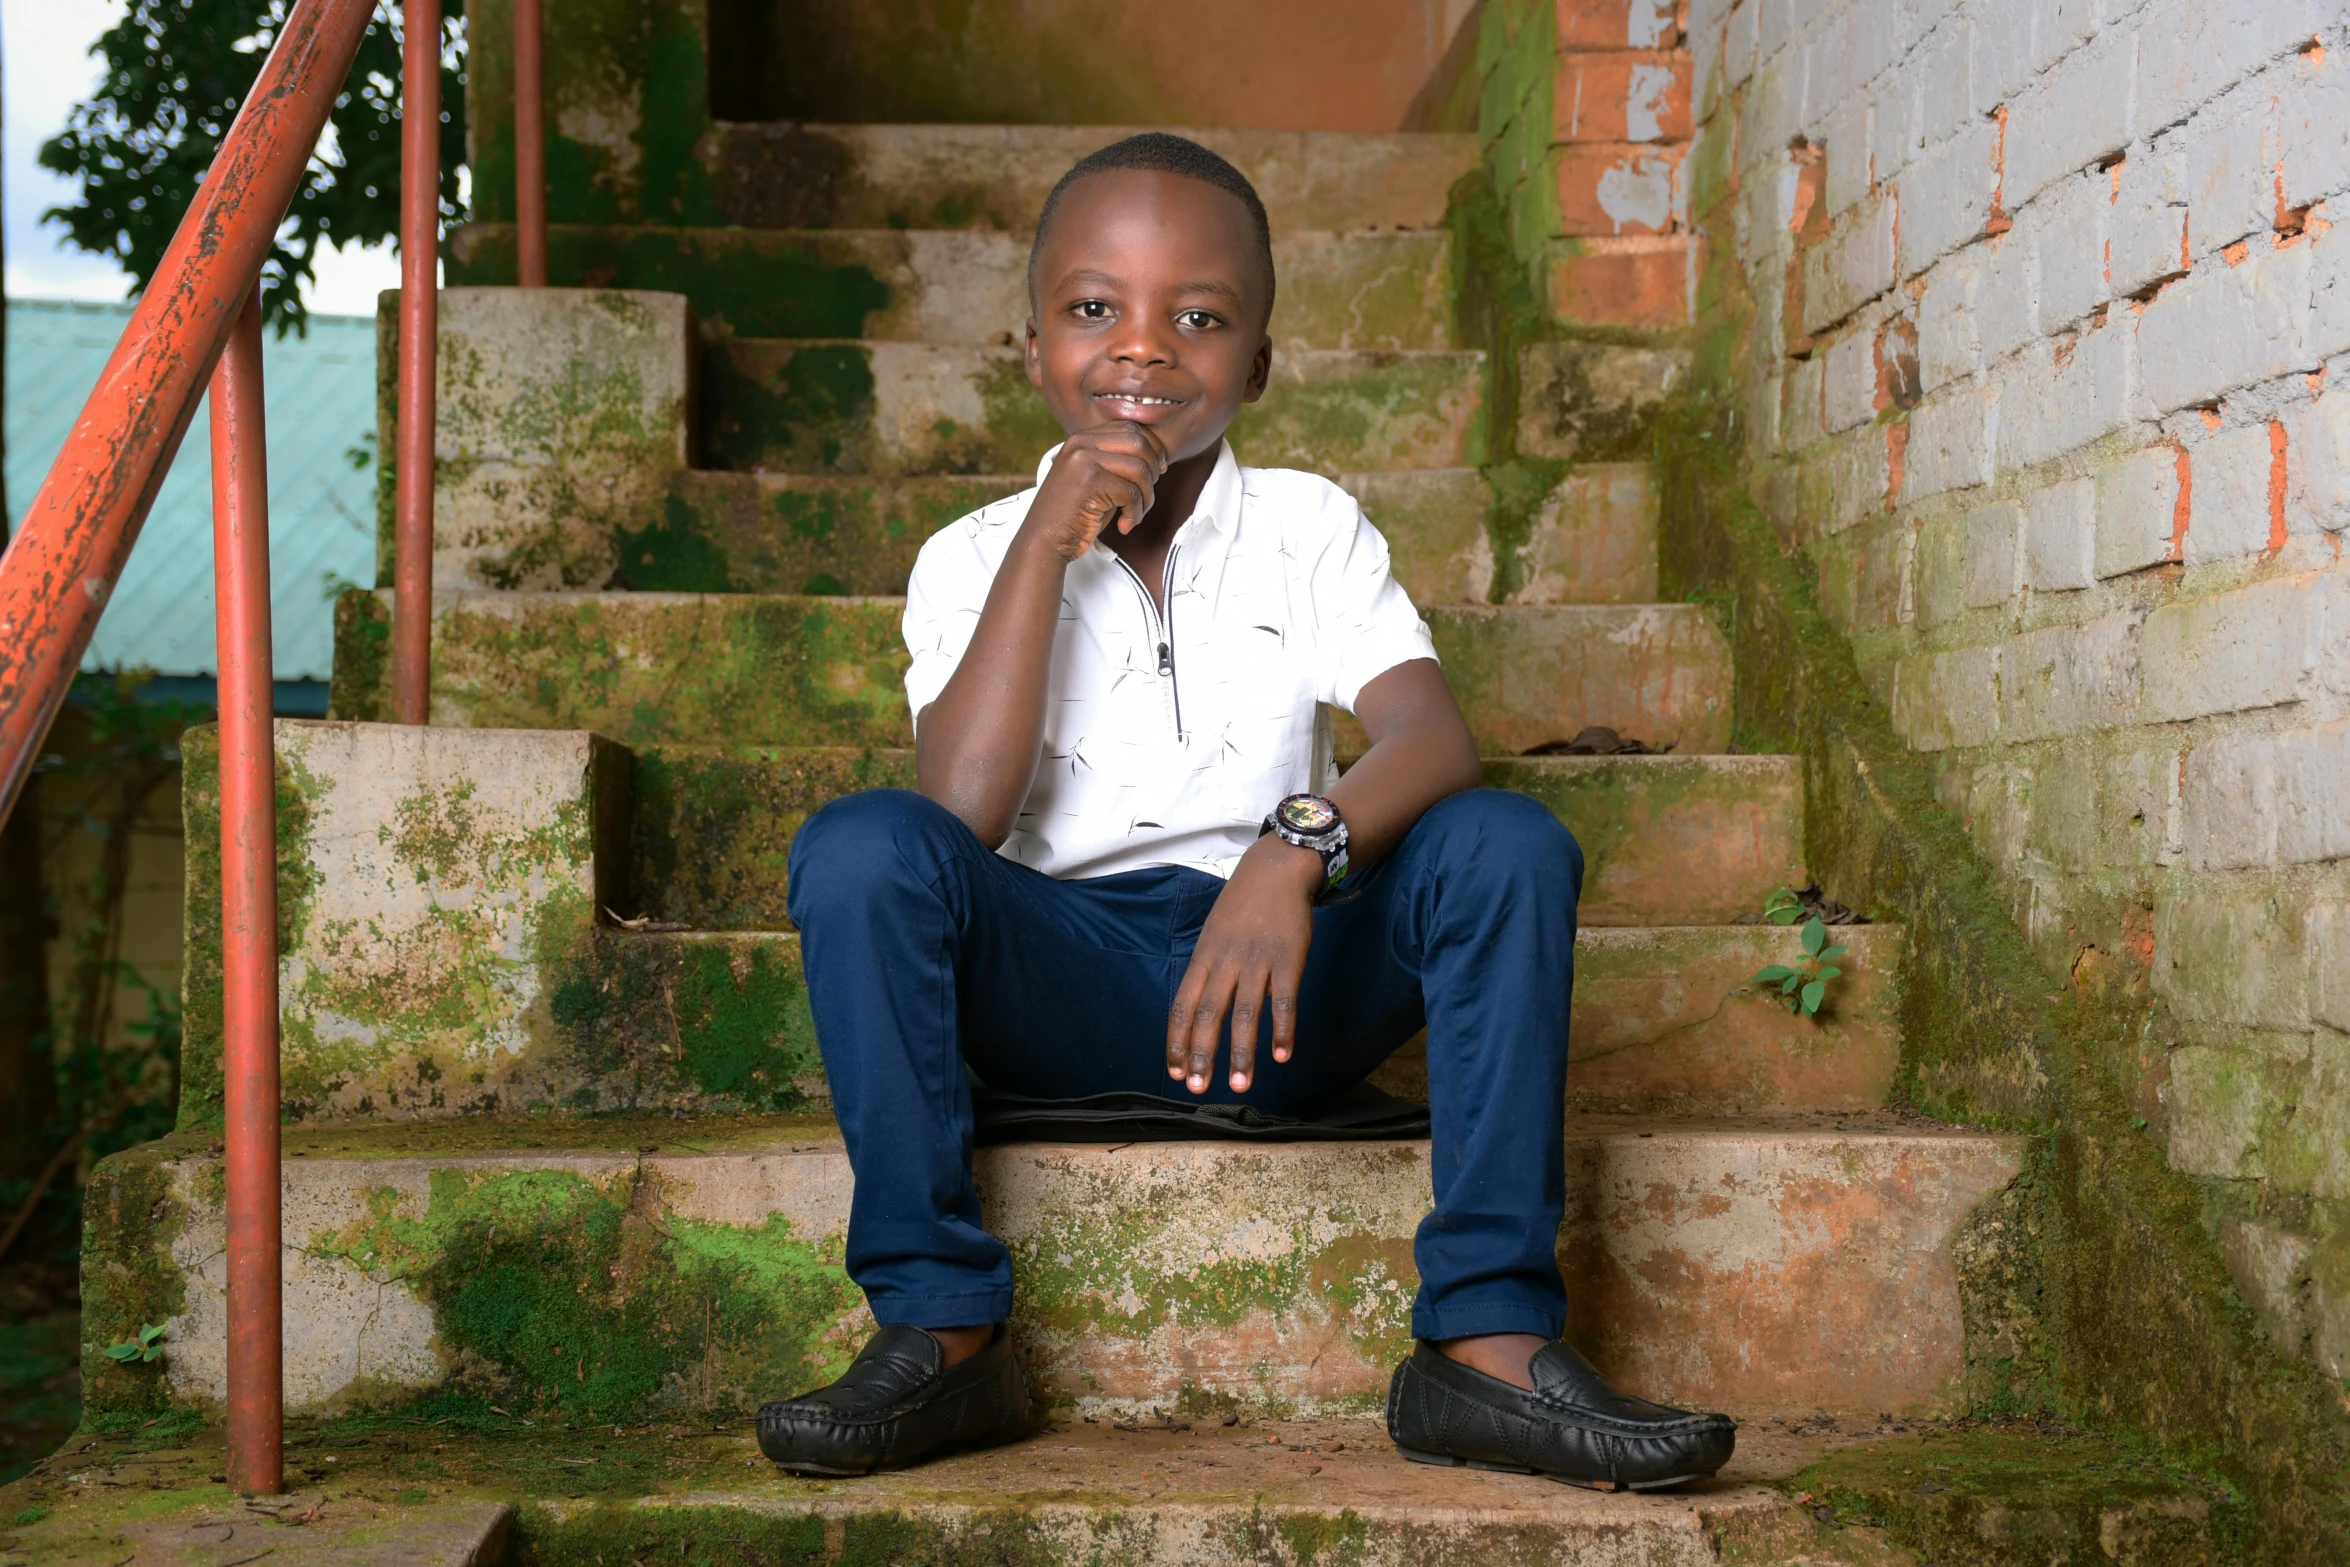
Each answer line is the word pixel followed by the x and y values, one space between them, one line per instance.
pixel 1365 623
pixel 944 596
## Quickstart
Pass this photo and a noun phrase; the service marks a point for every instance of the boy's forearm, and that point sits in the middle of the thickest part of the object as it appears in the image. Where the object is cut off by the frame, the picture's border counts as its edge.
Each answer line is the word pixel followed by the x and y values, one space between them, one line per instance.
pixel 1421 752
pixel 976 747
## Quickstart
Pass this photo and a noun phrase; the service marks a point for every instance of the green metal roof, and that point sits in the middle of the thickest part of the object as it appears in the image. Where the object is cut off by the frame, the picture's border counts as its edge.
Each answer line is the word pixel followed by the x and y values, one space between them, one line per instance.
pixel 320 399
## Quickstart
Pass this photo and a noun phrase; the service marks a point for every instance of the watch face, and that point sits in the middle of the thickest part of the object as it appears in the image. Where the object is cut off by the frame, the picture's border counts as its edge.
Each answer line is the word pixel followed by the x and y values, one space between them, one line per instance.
pixel 1307 813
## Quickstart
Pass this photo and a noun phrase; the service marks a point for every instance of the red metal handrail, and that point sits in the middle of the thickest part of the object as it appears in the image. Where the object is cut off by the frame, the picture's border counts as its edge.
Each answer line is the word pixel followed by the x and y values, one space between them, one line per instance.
pixel 420 219
pixel 67 556
pixel 248 910
pixel 530 147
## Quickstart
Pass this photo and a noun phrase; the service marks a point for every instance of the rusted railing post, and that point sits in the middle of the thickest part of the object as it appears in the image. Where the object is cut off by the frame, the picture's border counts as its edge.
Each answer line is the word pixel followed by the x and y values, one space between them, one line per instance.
pixel 420 222
pixel 81 523
pixel 248 909
pixel 530 147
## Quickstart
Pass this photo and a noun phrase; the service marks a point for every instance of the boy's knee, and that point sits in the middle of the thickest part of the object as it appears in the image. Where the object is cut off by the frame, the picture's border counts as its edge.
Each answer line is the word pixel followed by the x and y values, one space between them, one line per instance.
pixel 866 839
pixel 1501 833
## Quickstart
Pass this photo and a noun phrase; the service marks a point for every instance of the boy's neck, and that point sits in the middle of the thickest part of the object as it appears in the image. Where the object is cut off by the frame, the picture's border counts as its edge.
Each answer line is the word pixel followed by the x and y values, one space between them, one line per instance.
pixel 1177 497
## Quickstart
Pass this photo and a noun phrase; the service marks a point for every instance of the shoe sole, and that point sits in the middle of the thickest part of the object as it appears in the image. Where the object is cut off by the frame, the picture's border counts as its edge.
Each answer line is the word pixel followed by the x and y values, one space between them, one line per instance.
pixel 1454 1461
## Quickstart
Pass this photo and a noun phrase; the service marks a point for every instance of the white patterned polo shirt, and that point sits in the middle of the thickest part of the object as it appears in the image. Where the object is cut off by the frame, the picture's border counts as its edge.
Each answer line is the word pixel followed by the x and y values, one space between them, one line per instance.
pixel 1167 738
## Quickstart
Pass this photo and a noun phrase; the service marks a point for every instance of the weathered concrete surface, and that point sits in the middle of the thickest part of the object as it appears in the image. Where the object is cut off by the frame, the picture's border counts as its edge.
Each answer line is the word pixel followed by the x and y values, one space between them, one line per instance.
pixel 721 532
pixel 751 669
pixel 202 1526
pixel 1666 840
pixel 1749 1265
pixel 562 414
pixel 1527 676
pixel 804 405
pixel 1578 399
pixel 1594 540
pixel 1185 1493
pixel 1666 1022
pixel 779 176
pixel 959 285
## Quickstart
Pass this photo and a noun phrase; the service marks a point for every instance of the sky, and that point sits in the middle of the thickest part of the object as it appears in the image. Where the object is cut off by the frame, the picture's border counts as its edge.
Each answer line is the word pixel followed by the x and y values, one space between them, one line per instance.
pixel 45 45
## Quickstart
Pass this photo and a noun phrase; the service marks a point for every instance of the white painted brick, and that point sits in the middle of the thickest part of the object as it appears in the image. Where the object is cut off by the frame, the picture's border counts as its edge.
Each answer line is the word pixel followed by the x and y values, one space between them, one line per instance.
pixel 2231 184
pixel 1857 474
pixel 2313 128
pixel 2190 51
pixel 1738 43
pixel 2334 646
pixel 2057 399
pixel 2228 499
pixel 2329 962
pixel 1852 266
pixel 2007 315
pixel 1778 99
pixel 2058 28
pixel 1775 25
pixel 2313 794
pixel 1937 569
pixel 1800 418
pixel 2071 117
pixel 1846 136
pixel 2147 231
pixel 2252 647
pixel 1893 131
pixel 2137 511
pixel 1948 348
pixel 1992 556
pixel 2317 443
pixel 2327 329
pixel 2220 1102
pixel 2068 238
pixel 1946 701
pixel 2231 803
pixel 2003 52
pixel 1850 378
pixel 2222 327
pixel 2060 527
pixel 2066 680
pixel 1946 196
pixel 2232 955
pixel 1945 85
pixel 1951 441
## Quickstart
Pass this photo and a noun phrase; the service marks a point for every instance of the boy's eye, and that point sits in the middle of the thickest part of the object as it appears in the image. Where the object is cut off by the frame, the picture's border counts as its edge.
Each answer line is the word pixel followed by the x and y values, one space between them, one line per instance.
pixel 1091 310
pixel 1196 320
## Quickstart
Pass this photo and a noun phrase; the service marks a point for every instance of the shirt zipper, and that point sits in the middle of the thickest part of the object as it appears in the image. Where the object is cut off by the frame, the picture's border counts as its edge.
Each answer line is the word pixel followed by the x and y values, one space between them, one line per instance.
pixel 1162 633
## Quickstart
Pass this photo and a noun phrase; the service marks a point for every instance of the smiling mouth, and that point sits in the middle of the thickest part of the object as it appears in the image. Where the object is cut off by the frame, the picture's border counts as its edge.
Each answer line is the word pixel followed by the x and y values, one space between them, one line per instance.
pixel 1139 399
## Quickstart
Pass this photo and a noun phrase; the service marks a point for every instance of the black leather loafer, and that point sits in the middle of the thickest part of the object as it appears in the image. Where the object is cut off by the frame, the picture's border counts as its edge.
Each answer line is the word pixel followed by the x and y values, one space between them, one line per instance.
pixel 1571 1427
pixel 898 1404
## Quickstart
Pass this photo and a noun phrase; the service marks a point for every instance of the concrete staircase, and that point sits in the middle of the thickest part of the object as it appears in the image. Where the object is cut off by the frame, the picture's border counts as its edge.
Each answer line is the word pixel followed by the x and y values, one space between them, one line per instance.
pixel 562 1144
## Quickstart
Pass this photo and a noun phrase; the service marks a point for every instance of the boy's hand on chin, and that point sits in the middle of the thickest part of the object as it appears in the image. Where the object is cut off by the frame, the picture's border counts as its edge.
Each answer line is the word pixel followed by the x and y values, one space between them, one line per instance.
pixel 1104 476
pixel 1251 957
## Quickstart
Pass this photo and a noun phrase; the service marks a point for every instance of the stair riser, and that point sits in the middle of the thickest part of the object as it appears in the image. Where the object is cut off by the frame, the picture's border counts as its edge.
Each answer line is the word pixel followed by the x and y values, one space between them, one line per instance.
pixel 1363 291
pixel 650 668
pixel 1666 840
pixel 996 176
pixel 810 406
pixel 716 532
pixel 1744 1269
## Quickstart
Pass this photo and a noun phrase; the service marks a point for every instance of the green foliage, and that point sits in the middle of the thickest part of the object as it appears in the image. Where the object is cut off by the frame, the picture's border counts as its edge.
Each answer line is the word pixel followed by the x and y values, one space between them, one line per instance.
pixel 1783 907
pixel 1803 985
pixel 176 70
pixel 148 1346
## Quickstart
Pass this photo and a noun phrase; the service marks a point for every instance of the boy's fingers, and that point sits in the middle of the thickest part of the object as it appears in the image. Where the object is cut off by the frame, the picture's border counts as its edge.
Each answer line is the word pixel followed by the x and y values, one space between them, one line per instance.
pixel 1245 1003
pixel 1284 1005
pixel 1207 1022
pixel 1179 1018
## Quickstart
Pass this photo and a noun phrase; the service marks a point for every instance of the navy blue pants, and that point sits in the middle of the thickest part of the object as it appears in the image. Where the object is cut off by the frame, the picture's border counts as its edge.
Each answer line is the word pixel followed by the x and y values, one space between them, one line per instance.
pixel 924 951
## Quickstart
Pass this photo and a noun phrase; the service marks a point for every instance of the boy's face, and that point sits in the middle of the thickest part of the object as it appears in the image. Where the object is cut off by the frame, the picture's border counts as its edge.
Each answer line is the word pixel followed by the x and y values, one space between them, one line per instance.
pixel 1150 306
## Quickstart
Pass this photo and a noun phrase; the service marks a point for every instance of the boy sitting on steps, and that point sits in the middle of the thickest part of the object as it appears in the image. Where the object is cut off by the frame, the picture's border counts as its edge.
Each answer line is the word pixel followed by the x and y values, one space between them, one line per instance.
pixel 1130 855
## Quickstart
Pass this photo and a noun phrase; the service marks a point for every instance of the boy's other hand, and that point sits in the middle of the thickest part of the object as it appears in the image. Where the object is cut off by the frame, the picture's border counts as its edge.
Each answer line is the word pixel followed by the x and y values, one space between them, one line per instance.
pixel 1250 958
pixel 1103 477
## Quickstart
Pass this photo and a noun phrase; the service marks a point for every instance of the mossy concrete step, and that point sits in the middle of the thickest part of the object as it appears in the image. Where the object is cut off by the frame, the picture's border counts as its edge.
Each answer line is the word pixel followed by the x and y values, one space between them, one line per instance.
pixel 1074 1493
pixel 1594 539
pixel 806 405
pixel 1390 290
pixel 806 176
pixel 643 668
pixel 1667 840
pixel 619 1270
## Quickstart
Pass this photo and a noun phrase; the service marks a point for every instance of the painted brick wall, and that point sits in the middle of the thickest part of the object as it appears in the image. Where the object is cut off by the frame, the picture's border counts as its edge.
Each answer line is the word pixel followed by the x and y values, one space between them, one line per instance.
pixel 2048 368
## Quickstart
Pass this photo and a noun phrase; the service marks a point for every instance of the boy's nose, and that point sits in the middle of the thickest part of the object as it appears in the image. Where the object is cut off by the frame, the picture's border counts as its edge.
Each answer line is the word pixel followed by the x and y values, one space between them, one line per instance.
pixel 1142 344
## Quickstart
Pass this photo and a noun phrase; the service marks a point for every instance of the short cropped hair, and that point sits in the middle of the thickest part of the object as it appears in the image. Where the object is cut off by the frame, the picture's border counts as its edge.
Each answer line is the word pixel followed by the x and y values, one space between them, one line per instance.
pixel 1162 153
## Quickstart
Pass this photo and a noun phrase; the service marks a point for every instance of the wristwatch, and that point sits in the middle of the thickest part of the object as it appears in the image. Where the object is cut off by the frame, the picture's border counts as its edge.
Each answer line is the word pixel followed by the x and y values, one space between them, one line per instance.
pixel 1311 822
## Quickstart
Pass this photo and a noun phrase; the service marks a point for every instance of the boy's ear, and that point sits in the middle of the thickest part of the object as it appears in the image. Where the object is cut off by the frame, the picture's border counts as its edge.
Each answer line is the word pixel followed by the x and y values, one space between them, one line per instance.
pixel 1260 372
pixel 1029 356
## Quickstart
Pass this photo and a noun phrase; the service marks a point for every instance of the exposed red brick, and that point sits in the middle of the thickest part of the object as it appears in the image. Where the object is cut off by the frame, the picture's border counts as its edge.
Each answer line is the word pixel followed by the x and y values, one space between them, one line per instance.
pixel 1635 283
pixel 1607 24
pixel 2234 255
pixel 2276 485
pixel 1586 170
pixel 1999 222
pixel 2180 509
pixel 1896 458
pixel 1630 95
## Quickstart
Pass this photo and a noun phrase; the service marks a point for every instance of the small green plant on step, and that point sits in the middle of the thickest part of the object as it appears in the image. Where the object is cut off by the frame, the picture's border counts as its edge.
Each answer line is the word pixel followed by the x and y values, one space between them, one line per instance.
pixel 1803 985
pixel 1783 907
pixel 148 1346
